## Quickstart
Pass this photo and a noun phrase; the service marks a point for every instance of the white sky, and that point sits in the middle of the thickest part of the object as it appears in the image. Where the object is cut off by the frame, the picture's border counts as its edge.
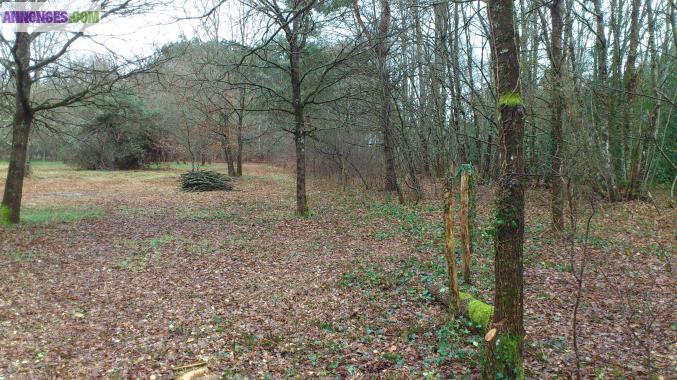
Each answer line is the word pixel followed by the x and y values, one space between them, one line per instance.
pixel 141 34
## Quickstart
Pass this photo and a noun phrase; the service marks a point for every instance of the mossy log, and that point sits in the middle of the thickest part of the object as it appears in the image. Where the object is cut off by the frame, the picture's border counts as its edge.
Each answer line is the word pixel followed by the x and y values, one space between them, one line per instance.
pixel 475 310
pixel 504 347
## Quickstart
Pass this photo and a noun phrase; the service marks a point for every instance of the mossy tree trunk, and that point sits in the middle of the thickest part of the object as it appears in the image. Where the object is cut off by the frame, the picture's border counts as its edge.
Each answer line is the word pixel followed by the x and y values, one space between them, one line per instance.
pixel 10 210
pixel 504 350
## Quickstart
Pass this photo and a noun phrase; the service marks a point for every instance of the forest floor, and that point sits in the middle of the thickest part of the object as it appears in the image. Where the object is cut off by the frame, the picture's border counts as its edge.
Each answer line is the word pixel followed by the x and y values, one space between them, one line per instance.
pixel 121 275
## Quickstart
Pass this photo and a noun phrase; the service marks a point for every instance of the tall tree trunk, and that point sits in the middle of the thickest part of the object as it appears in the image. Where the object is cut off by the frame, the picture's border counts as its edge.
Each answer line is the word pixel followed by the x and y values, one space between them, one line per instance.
pixel 504 349
pixel 10 210
pixel 227 154
pixel 29 170
pixel 240 127
pixel 495 158
pixel 557 201
pixel 379 45
pixel 632 189
pixel 299 126
pixel 604 98
pixel 618 143
pixel 466 221
pixel 533 79
pixel 438 75
pixel 422 130
pixel 473 102
pixel 386 127
pixel 300 144
pixel 651 137
pixel 460 120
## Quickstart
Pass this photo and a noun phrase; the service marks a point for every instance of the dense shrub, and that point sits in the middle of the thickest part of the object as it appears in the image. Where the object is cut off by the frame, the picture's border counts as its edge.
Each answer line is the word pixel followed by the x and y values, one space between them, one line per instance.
pixel 123 136
pixel 205 181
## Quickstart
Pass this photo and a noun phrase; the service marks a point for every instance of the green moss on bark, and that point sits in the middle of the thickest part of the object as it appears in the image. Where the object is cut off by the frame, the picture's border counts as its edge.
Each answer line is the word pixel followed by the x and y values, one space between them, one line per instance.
pixel 4 215
pixel 478 311
pixel 508 358
pixel 511 99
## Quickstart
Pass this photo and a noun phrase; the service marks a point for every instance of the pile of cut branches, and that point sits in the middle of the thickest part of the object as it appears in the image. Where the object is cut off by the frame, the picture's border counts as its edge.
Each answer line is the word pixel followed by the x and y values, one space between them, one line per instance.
pixel 205 180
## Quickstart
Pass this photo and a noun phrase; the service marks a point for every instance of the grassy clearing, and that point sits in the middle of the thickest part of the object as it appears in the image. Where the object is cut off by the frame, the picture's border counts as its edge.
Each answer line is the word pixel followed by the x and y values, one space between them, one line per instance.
pixel 51 215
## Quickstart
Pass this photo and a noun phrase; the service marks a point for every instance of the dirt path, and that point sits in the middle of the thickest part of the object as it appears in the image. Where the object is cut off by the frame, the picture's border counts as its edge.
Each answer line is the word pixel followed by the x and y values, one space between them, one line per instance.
pixel 155 278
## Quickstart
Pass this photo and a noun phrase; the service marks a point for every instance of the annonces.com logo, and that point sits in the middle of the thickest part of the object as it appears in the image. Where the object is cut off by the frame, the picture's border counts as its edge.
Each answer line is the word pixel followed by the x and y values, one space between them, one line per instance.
pixel 50 16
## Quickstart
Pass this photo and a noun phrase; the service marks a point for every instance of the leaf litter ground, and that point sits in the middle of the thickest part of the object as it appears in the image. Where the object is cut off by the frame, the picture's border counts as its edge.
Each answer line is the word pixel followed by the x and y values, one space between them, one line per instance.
pixel 121 275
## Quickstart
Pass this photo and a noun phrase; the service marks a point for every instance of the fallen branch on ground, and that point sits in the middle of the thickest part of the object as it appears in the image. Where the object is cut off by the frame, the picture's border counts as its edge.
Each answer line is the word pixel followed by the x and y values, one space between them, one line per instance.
pixel 475 310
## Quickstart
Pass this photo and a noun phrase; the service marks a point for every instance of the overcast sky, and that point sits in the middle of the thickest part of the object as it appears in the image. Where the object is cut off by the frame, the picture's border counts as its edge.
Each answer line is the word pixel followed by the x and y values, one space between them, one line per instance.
pixel 141 34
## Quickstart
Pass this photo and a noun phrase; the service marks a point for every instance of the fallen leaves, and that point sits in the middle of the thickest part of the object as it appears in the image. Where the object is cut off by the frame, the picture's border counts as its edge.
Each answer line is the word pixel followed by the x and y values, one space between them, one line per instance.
pixel 167 279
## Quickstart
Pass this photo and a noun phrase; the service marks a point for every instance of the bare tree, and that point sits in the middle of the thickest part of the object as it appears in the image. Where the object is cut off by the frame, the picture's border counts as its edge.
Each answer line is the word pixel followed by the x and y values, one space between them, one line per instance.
pixel 27 68
pixel 378 41
pixel 557 201
pixel 505 348
pixel 288 30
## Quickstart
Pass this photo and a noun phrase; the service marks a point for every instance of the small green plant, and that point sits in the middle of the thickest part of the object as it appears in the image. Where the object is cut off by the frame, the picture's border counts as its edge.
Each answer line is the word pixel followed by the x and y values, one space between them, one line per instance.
pixel 327 326
pixel 368 277
pixel 393 357
pixel 383 235
pixel 453 339
pixel 220 323
pixel 143 253
pixel 39 355
pixel 79 313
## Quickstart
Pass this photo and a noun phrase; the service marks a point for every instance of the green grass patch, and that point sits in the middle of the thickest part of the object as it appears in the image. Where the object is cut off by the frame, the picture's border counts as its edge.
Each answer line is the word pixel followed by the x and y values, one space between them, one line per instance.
pixel 49 215
pixel 206 215
pixel 19 256
pixel 38 164
pixel 4 215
